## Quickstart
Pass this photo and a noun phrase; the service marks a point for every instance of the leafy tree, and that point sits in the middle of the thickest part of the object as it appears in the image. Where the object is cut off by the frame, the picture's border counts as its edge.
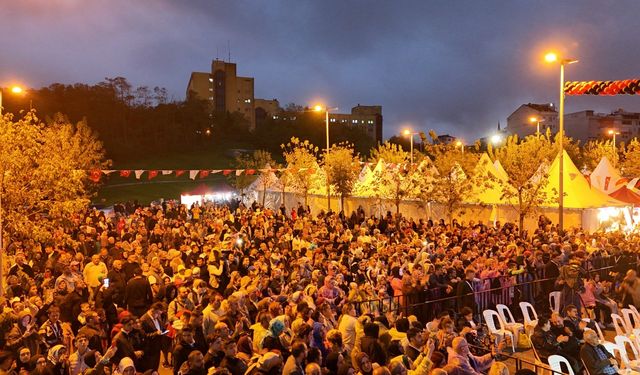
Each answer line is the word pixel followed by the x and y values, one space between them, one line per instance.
pixel 254 161
pixel 43 178
pixel 390 153
pixel 454 180
pixel 593 151
pixel 302 162
pixel 523 162
pixel 342 166
pixel 630 165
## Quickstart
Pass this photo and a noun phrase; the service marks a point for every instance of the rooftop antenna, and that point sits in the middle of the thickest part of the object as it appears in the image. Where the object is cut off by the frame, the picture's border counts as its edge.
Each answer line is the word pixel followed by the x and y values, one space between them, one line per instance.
pixel 217 53
pixel 229 49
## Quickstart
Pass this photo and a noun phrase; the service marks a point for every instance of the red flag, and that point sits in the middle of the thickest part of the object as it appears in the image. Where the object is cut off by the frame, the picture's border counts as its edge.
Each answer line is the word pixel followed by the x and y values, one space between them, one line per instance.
pixel 153 174
pixel 180 172
pixel 227 172
pixel 125 173
pixel 606 182
pixel 249 172
pixel 204 173
pixel 95 175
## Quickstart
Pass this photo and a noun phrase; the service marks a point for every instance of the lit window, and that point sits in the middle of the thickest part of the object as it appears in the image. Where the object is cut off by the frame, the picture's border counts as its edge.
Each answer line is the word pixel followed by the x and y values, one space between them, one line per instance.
pixel 210 79
pixel 275 117
pixel 354 121
pixel 247 100
pixel 293 118
pixel 211 98
pixel 333 120
pixel 343 121
pixel 210 88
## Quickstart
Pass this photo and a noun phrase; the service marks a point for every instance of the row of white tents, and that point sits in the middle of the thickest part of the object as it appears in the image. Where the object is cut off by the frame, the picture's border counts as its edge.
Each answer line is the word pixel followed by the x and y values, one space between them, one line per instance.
pixel 585 197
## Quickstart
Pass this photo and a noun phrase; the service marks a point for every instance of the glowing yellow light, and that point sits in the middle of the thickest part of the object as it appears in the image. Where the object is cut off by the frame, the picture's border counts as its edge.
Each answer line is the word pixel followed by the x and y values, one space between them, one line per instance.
pixel 610 131
pixel 318 108
pixel 533 119
pixel 458 143
pixel 407 132
pixel 551 57
pixel 496 139
pixel 16 89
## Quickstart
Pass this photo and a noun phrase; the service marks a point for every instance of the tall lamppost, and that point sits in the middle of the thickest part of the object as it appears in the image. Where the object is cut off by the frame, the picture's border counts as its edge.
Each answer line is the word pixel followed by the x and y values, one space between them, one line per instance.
pixel 552 57
pixel 537 121
pixel 410 134
pixel 319 108
pixel 613 133
pixel 15 90
pixel 461 145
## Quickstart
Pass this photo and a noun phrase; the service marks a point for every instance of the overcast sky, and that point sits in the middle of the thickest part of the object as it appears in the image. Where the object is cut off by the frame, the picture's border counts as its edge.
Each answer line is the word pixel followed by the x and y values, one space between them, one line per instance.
pixel 458 67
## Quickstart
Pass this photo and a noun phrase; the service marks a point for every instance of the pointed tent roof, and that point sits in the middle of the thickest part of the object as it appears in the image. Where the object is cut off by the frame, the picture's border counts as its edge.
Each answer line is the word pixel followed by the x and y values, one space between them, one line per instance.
pixel 577 192
pixel 490 189
pixel 271 181
pixel 604 177
pixel 500 170
pixel 626 195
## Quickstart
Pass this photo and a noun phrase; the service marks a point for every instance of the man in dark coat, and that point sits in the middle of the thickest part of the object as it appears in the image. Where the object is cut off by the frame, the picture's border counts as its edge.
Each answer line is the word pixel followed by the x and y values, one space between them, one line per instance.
pixel 596 358
pixel 138 294
pixel 153 327
pixel 465 291
pixel 123 342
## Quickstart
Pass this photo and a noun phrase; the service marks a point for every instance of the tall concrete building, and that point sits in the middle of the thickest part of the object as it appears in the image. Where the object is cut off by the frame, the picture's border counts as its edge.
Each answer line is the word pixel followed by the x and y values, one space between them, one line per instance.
pixel 519 122
pixel 224 90
pixel 589 125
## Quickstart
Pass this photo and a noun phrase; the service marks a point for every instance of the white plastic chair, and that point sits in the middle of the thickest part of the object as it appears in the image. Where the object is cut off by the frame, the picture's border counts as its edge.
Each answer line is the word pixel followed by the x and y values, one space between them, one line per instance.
pixel 490 317
pixel 508 320
pixel 554 301
pixel 611 347
pixel 621 342
pixel 530 322
pixel 630 319
pixel 556 361
pixel 598 330
pixel 620 325
pixel 635 312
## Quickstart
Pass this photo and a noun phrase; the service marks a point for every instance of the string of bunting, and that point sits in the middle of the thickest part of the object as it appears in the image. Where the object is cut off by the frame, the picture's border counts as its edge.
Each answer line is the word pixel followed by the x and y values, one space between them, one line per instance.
pixel 95 175
pixel 603 88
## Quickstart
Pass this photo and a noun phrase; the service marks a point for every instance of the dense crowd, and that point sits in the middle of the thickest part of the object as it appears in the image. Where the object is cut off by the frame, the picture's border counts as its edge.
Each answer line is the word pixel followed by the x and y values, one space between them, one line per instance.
pixel 229 289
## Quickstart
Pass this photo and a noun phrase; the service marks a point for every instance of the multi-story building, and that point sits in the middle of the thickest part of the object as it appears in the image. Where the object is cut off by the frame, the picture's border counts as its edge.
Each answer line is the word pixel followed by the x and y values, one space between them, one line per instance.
pixel 520 121
pixel 589 125
pixel 224 90
pixel 265 109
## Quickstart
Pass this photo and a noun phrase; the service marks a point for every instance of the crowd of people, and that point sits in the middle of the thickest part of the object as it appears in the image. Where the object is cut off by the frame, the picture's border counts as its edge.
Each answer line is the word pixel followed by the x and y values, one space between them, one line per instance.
pixel 234 289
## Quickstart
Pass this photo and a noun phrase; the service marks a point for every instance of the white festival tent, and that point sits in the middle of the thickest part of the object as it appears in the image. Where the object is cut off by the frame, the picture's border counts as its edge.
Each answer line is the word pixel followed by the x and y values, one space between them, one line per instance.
pixel 606 178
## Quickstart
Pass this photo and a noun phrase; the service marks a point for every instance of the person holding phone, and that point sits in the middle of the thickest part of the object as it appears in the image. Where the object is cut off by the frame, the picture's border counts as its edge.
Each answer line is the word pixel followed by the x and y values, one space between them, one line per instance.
pixel 154 328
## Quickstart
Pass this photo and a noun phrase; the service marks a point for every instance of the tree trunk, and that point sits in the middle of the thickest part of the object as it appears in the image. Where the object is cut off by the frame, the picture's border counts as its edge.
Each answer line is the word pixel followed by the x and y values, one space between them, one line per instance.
pixel 521 217
pixel 342 203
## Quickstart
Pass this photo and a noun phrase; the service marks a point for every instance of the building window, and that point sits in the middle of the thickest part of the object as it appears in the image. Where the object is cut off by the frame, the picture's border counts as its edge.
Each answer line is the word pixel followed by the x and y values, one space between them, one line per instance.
pixel 211 98
pixel 247 100
pixel 354 121
pixel 210 88
pixel 332 120
pixel 210 79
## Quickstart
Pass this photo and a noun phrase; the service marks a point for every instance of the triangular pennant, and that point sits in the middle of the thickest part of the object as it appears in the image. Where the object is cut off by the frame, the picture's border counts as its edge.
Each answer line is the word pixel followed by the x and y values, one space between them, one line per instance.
pixel 216 171
pixel 94 175
pixel 250 172
pixel 139 173
pixel 125 173
pixel 108 171
pixel 153 174
pixel 179 172
pixel 166 172
pixel 204 173
pixel 193 173
pixel 239 172
pixel 226 172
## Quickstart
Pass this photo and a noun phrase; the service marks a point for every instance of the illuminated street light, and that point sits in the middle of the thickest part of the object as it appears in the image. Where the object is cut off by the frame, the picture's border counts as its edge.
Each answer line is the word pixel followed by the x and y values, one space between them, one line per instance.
pixel 496 138
pixel 320 108
pixel 613 133
pixel 537 121
pixel 410 134
pixel 14 90
pixel 461 145
pixel 552 57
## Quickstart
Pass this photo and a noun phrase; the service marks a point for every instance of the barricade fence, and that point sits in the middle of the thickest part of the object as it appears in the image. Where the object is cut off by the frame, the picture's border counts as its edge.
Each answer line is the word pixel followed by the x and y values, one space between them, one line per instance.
pixel 428 303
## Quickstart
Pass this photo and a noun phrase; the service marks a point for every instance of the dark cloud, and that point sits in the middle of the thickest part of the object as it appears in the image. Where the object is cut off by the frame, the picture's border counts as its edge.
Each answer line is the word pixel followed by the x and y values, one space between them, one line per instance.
pixel 459 67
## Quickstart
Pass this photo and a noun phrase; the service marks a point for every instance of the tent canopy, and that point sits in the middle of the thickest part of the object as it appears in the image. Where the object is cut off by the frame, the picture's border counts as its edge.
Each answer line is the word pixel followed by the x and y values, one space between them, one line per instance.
pixel 490 190
pixel 577 192
pixel 605 177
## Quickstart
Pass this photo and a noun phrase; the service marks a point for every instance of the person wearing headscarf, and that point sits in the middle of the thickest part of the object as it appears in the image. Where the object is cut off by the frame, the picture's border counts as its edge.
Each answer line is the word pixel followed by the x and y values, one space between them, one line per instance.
pixel 57 360
pixel 126 367
pixel 272 340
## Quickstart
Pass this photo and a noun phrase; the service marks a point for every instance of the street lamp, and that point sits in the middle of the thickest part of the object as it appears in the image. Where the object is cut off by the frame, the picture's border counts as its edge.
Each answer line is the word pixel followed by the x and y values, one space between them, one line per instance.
pixel 496 138
pixel 613 133
pixel 550 58
pixel 319 108
pixel 461 145
pixel 410 134
pixel 14 90
pixel 537 121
